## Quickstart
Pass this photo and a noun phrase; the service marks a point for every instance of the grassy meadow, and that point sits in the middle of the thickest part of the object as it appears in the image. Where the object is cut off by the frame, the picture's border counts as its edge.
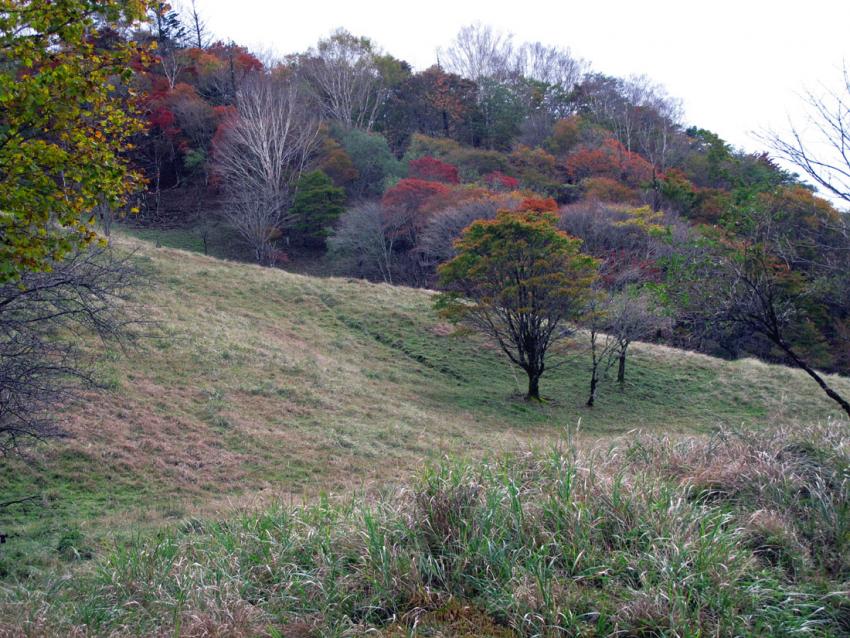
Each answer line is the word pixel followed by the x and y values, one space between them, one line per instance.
pixel 314 402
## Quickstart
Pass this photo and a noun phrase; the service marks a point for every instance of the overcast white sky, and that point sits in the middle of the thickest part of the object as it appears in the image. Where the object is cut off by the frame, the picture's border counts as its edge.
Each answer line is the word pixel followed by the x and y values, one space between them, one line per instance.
pixel 737 65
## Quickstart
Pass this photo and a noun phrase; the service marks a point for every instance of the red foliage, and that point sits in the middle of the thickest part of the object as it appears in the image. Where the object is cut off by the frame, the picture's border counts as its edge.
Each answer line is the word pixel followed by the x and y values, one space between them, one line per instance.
pixel 611 160
pixel 159 88
pixel 248 62
pixel 279 258
pixel 430 168
pixel 538 205
pixel 161 117
pixel 411 195
pixel 243 60
pixel 500 182
pixel 226 116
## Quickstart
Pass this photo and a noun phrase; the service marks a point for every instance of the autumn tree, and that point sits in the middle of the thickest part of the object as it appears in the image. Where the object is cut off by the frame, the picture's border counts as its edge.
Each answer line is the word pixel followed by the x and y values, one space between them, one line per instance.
pixel 518 280
pixel 776 275
pixel 429 168
pixel 432 102
pixel 64 126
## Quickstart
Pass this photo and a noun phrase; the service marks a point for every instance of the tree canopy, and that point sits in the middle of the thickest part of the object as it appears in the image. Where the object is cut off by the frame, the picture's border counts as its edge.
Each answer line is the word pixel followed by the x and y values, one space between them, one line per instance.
pixel 66 119
pixel 519 280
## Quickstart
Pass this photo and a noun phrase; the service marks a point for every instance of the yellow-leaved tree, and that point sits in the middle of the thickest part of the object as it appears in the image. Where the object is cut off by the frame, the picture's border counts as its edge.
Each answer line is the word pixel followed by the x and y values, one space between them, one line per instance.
pixel 66 120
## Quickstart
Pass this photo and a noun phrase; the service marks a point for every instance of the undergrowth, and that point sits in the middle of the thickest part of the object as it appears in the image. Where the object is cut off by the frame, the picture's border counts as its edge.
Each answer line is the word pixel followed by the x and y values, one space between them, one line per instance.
pixel 740 533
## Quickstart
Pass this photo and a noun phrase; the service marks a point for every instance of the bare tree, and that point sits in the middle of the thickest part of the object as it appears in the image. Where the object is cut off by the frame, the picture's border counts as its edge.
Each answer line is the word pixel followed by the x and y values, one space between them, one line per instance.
pixel 262 154
pixel 43 319
pixel 197 26
pixel 479 52
pixel 602 344
pixel 632 315
pixel 821 149
pixel 550 65
pixel 173 62
pixel 344 76
pixel 363 244
pixel 436 243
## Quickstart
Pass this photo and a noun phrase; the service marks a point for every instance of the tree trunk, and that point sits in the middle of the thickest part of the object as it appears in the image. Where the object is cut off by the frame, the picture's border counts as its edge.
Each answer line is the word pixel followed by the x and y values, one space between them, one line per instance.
pixel 621 368
pixel 594 381
pixel 656 195
pixel 533 387
pixel 832 394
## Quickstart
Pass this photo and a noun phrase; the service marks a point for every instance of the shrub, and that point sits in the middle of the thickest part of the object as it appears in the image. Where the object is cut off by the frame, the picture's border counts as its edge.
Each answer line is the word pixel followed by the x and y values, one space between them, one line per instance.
pixel 605 189
pixel 498 181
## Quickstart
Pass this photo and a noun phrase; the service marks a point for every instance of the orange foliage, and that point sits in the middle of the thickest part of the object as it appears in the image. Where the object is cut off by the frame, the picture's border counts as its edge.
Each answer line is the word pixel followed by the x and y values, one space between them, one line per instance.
pixel 611 160
pixel 538 205
pixel 605 189
pixel 454 197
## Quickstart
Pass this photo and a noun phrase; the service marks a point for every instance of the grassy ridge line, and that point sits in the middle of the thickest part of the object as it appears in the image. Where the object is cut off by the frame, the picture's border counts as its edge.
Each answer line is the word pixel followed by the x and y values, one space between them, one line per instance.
pixel 740 534
pixel 266 386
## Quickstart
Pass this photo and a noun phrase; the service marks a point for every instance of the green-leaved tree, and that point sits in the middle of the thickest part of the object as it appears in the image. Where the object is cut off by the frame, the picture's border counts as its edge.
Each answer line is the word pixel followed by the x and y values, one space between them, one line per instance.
pixel 317 205
pixel 521 281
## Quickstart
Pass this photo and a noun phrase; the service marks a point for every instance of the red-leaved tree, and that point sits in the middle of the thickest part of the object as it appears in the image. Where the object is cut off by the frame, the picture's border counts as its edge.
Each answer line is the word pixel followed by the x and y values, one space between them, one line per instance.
pixel 430 168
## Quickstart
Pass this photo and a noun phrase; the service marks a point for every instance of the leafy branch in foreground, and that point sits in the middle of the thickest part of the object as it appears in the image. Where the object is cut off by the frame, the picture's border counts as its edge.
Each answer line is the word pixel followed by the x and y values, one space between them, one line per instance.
pixel 66 119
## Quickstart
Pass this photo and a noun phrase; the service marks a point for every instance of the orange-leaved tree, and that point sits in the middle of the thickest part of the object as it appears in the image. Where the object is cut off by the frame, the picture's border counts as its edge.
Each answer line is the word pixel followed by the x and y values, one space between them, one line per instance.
pixel 521 281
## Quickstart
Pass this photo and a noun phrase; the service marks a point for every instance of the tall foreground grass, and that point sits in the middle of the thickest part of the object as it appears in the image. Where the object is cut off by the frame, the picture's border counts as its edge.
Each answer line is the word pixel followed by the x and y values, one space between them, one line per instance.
pixel 742 533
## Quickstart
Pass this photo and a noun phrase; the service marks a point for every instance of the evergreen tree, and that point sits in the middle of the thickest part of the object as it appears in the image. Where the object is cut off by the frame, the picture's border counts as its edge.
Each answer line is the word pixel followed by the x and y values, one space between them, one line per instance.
pixel 318 204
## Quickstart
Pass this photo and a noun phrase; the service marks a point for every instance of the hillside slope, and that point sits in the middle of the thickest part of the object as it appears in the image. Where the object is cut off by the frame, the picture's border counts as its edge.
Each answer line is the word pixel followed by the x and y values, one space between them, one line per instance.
pixel 260 385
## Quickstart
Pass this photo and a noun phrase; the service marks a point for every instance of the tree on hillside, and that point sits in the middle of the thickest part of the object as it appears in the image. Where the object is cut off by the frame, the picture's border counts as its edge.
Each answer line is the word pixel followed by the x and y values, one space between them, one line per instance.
pixel 197 26
pixel 364 243
pixel 317 205
pixel 260 154
pixel 44 317
pixel 432 102
pixel 602 343
pixel 777 278
pixel 373 161
pixel 345 74
pixel 64 126
pixel 632 315
pixel 518 280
